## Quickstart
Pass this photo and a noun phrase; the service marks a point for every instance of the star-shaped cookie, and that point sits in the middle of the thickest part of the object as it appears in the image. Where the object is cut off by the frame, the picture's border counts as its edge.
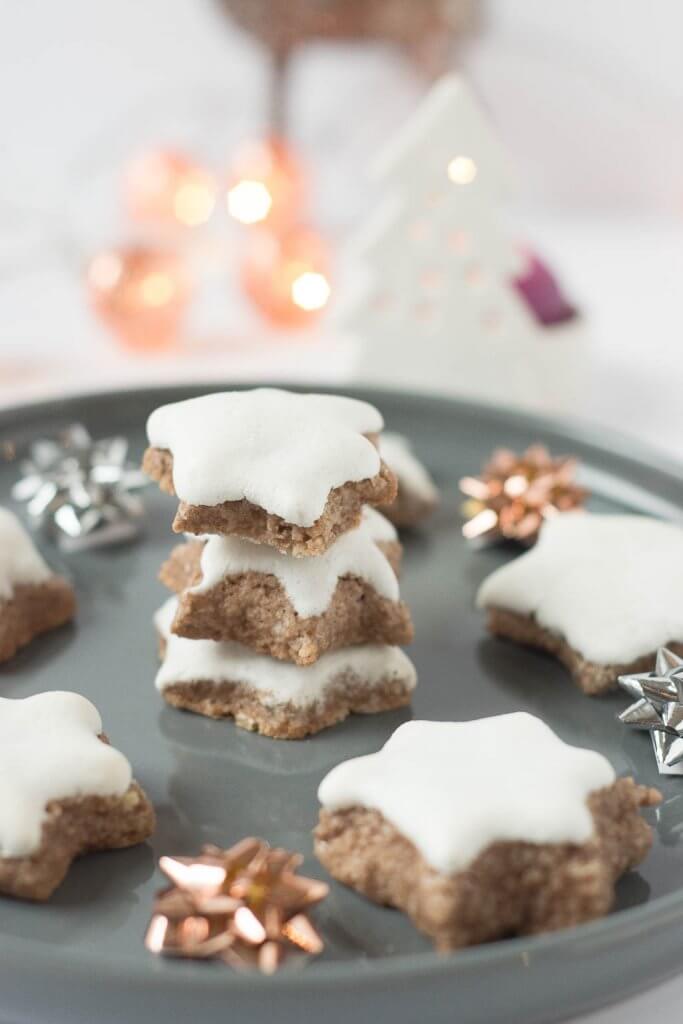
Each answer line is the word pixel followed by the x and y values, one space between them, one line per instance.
pixel 600 592
pixel 289 470
pixel 482 829
pixel 64 791
pixel 32 599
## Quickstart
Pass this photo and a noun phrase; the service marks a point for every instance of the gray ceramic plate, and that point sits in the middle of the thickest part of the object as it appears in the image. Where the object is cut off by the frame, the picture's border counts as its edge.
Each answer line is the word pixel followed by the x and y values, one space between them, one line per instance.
pixel 81 958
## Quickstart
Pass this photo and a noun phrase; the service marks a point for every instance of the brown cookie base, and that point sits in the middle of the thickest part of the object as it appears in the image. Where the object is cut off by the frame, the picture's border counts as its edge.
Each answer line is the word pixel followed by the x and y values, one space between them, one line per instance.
pixel 408 510
pixel 243 519
pixel 254 609
pixel 74 827
pixel 345 695
pixel 34 608
pixel 511 888
pixel 592 678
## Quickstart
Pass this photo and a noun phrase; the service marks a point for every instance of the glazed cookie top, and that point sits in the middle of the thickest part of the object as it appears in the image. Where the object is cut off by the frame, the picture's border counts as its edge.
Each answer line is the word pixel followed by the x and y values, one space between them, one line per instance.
pixel 610 585
pixel 49 750
pixel 187 661
pixel 378 526
pixel 399 456
pixel 19 559
pixel 281 451
pixel 310 583
pixel 453 788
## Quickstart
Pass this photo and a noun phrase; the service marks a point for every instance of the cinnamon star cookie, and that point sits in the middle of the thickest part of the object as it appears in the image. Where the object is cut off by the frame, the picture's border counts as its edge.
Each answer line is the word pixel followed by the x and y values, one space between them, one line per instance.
pixel 288 470
pixel 64 791
pixel 481 830
pixel 600 592
pixel 32 599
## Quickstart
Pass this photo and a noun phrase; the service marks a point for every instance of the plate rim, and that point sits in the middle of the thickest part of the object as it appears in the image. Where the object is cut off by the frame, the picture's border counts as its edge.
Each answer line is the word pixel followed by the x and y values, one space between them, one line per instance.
pixel 606 932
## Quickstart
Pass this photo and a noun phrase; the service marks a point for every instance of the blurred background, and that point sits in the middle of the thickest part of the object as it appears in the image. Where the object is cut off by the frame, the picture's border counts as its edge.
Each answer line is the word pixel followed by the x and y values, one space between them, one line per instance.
pixel 182 182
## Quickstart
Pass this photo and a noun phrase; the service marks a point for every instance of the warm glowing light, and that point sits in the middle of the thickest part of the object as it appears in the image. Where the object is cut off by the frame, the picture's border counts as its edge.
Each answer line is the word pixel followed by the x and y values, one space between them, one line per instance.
pixel 266 185
pixel 462 170
pixel 193 204
pixel 169 189
pixel 311 290
pixel 156 289
pixel 249 202
pixel 105 270
pixel 287 275
pixel 140 293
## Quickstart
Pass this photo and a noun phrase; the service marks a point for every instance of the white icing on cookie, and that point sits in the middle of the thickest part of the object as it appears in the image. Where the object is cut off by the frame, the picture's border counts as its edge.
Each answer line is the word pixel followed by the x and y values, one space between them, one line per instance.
pixel 378 526
pixel 453 788
pixel 610 585
pixel 49 750
pixel 277 682
pixel 310 583
pixel 281 451
pixel 19 559
pixel 413 477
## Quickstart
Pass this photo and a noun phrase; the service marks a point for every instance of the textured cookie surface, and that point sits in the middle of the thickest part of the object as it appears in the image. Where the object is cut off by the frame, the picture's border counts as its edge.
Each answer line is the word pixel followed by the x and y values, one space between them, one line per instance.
pixel 342 511
pixel 63 791
pixel 591 677
pixel 294 609
pixel 417 495
pixel 276 698
pixel 286 469
pixel 32 599
pixel 600 592
pixel 431 824
pixel 510 888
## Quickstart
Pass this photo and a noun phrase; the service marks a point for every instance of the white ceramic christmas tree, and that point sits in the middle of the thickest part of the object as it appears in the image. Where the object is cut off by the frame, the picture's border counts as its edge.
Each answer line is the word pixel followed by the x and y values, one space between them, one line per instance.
pixel 434 265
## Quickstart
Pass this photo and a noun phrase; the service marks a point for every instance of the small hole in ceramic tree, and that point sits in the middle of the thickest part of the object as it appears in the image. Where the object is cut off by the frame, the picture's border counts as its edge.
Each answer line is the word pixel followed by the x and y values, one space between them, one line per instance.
pixel 432 279
pixel 474 275
pixel 492 320
pixel 419 230
pixel 424 311
pixel 382 302
pixel 458 240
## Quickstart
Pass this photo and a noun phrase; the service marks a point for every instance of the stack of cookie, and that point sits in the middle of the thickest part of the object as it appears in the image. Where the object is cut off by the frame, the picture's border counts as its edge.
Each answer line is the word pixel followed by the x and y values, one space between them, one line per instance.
pixel 286 610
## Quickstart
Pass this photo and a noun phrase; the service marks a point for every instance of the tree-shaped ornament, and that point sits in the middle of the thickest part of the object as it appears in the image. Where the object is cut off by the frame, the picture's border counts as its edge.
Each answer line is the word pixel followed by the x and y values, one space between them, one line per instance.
pixel 434 266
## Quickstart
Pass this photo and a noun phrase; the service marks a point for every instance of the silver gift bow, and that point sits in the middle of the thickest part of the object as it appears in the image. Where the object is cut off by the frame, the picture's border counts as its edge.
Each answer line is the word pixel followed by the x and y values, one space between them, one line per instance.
pixel 658 709
pixel 82 492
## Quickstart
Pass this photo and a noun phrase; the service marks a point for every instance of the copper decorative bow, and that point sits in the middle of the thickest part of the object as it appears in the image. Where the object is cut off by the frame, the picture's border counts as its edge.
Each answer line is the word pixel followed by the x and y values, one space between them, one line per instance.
pixel 245 906
pixel 515 494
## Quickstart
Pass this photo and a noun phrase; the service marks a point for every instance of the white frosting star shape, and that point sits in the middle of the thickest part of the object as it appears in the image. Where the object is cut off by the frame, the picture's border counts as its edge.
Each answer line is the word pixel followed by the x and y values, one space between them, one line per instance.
pixel 441 785
pixel 281 451
pixel 50 750
pixel 610 585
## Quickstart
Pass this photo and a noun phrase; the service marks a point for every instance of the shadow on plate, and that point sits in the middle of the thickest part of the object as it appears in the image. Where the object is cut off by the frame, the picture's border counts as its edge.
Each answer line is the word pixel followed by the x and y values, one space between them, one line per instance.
pixel 98 896
pixel 205 738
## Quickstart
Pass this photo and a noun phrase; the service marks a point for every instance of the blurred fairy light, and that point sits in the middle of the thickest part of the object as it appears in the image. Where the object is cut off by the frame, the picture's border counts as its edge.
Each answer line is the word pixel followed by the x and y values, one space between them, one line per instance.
pixel 249 202
pixel 141 293
pixel 169 189
pixel 462 170
pixel 156 289
pixel 311 291
pixel 267 184
pixel 105 271
pixel 193 204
